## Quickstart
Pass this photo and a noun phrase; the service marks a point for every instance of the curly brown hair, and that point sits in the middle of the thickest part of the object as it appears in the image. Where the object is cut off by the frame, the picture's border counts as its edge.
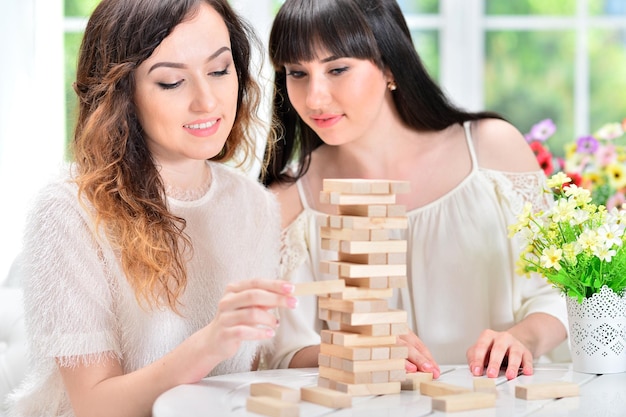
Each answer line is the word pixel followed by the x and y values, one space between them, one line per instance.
pixel 115 170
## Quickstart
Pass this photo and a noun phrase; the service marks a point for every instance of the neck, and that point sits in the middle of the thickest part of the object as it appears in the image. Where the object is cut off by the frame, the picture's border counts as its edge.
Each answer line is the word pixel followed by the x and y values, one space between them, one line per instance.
pixel 186 182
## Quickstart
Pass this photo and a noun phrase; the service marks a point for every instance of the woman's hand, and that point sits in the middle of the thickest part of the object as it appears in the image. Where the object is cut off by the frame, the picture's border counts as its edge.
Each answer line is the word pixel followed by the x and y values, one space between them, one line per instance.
pixel 245 313
pixel 420 358
pixel 498 349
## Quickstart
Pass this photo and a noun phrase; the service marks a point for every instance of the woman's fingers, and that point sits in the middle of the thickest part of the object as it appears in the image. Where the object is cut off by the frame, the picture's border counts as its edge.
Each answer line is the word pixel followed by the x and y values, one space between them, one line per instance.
pixel 258 293
pixel 419 358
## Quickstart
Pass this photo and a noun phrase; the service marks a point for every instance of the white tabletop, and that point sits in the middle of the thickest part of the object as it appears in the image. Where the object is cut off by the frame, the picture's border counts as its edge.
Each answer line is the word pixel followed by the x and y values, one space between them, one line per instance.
pixel 600 395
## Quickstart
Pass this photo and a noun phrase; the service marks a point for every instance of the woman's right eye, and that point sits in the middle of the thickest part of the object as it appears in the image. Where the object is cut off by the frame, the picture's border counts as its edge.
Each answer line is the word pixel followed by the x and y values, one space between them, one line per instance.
pixel 295 74
pixel 167 86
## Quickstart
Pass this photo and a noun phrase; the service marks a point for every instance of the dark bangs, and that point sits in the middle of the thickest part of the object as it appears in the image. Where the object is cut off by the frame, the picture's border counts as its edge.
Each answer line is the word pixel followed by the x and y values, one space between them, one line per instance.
pixel 334 25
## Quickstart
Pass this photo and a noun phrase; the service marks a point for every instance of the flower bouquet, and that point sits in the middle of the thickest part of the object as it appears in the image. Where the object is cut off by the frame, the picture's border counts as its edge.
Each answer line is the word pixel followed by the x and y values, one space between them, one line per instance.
pixel 578 246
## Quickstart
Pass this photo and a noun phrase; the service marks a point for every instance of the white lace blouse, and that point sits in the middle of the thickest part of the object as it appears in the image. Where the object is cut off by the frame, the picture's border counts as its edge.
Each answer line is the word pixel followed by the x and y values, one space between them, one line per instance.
pixel 460 266
pixel 81 309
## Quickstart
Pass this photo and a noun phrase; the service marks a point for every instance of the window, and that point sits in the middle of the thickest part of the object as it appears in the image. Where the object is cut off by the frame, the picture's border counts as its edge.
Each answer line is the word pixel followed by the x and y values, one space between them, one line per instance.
pixel 527 59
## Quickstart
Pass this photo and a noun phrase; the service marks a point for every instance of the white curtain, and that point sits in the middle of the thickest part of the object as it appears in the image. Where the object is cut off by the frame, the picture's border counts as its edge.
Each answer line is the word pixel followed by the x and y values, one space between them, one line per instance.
pixel 31 110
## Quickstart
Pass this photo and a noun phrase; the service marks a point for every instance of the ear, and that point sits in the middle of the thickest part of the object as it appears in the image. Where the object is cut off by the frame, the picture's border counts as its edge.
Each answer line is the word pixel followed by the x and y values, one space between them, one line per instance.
pixel 388 75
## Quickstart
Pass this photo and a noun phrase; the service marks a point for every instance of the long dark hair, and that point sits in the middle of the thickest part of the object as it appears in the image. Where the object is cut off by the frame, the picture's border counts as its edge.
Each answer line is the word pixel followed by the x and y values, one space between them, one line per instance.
pixel 366 29
pixel 115 170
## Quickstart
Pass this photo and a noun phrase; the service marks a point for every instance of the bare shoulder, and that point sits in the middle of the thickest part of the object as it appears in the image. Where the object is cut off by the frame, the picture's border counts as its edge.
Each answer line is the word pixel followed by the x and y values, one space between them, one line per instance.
pixel 501 146
pixel 289 201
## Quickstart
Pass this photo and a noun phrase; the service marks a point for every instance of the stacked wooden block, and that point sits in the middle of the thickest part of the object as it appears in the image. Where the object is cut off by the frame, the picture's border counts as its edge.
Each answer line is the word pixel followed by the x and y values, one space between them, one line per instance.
pixel 361 356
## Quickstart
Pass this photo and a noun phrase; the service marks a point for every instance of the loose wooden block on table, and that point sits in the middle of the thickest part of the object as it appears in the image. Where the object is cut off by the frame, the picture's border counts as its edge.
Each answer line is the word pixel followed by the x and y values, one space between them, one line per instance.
pixel 484 384
pixel 436 388
pixel 326 397
pixel 319 287
pixel 462 402
pixel 413 380
pixel 272 407
pixel 547 390
pixel 269 389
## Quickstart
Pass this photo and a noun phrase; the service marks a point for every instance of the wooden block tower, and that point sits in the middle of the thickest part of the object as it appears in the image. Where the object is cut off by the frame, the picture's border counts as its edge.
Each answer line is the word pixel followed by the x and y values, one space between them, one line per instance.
pixel 361 357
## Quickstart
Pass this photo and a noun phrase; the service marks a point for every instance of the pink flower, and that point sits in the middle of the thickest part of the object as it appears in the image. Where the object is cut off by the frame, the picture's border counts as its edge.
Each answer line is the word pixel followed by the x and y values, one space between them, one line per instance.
pixel 541 131
pixel 616 200
pixel 606 155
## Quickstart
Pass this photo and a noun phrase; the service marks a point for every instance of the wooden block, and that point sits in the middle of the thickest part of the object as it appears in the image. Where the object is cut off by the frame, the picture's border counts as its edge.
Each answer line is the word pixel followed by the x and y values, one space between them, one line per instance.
pixel 357 185
pixel 361 353
pixel 364 210
pixel 389 246
pixel 462 402
pixel 272 407
pixel 436 388
pixel 413 380
pixel 360 222
pixel 378 283
pixel 390 316
pixel 547 390
pixel 484 384
pixel 382 329
pixel 360 389
pixel 398 375
pixel 319 287
pixel 380 352
pixel 353 270
pixel 355 293
pixel 345 234
pixel 399 187
pixel 342 199
pixel 366 305
pixel 324 359
pixel 399 328
pixel 372 365
pixel 269 389
pixel 342 338
pixel 396 210
pixel 397 282
pixel 340 375
pixel 326 397
pixel 364 258
pixel 398 351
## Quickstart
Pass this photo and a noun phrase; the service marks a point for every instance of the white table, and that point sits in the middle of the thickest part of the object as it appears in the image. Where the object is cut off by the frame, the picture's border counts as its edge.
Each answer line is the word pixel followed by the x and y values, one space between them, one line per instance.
pixel 600 396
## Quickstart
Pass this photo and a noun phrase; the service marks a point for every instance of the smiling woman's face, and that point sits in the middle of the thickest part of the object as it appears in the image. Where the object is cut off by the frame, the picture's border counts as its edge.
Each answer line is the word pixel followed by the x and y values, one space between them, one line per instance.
pixel 186 92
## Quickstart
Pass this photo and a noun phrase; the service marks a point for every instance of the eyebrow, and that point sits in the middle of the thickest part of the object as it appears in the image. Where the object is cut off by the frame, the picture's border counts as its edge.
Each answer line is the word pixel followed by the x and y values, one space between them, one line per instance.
pixel 179 65
pixel 323 61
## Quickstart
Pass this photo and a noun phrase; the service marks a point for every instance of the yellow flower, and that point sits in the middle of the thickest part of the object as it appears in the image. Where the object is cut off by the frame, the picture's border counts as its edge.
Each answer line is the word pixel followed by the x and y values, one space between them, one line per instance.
pixel 616 174
pixel 557 180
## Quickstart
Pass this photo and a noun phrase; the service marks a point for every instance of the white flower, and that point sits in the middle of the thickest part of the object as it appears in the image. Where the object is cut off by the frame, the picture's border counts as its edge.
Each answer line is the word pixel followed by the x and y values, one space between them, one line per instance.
pixel 611 234
pixel 550 257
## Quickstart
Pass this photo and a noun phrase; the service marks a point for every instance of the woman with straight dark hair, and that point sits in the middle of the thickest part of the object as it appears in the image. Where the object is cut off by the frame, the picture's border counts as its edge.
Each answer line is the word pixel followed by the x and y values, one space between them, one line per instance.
pixel 149 263
pixel 352 99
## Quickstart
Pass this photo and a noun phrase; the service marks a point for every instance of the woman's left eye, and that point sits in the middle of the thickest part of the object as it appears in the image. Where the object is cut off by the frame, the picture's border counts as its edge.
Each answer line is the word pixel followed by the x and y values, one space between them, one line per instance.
pixel 170 86
pixel 221 73
pixel 337 71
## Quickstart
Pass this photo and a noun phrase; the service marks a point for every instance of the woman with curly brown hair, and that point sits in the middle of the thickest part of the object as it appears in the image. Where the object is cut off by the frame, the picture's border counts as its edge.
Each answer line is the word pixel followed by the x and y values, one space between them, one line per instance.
pixel 150 263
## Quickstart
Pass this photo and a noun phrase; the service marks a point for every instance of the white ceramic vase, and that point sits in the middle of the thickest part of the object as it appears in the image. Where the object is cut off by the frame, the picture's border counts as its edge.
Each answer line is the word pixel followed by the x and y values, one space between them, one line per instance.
pixel 598 333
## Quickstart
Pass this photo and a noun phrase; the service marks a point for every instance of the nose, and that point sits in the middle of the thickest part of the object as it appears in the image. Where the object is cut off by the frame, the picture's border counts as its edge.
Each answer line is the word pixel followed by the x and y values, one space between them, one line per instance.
pixel 318 92
pixel 203 98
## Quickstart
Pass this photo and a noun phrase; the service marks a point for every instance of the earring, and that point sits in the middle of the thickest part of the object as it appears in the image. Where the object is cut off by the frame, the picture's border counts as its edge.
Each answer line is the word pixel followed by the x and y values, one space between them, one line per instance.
pixel 391 85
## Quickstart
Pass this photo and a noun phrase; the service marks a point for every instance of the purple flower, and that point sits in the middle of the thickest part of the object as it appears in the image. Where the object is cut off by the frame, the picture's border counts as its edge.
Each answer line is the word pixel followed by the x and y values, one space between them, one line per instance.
pixel 587 144
pixel 542 130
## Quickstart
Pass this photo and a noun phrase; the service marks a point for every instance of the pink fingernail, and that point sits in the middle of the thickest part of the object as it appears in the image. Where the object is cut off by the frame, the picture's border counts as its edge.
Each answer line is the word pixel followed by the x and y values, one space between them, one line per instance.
pixel 292 302
pixel 288 288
